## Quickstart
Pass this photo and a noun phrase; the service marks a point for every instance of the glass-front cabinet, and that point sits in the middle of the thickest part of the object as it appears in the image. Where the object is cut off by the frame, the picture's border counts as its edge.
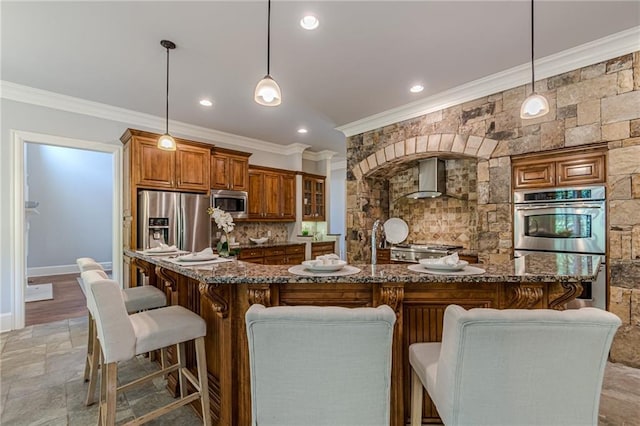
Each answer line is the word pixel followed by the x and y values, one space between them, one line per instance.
pixel 313 197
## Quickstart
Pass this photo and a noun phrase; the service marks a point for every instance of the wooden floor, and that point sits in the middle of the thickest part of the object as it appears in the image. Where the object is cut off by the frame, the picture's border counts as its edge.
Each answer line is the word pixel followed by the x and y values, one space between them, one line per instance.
pixel 68 300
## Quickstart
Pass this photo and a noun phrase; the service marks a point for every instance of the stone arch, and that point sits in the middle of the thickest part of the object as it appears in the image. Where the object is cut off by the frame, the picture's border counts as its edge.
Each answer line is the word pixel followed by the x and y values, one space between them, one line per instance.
pixel 449 144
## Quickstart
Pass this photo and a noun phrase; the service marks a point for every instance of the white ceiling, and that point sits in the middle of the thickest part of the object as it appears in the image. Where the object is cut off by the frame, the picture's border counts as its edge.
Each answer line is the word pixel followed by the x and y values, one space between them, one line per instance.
pixel 361 61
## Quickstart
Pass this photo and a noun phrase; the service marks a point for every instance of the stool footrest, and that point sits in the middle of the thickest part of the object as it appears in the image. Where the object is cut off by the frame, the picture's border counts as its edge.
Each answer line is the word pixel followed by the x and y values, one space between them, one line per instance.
pixel 148 377
pixel 164 410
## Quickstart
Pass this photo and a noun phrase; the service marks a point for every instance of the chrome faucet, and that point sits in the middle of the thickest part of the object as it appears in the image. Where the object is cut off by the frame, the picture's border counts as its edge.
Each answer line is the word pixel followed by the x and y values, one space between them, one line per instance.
pixel 374 243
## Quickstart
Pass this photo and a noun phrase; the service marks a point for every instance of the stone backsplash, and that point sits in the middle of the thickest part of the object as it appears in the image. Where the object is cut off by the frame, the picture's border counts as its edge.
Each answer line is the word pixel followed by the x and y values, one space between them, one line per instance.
pixel 244 230
pixel 597 104
pixel 443 220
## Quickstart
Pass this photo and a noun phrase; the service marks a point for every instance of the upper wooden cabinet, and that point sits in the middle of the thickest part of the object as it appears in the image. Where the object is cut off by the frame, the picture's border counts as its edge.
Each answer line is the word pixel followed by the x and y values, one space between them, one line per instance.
pixel 313 197
pixel 271 194
pixel 559 169
pixel 229 170
pixel 186 168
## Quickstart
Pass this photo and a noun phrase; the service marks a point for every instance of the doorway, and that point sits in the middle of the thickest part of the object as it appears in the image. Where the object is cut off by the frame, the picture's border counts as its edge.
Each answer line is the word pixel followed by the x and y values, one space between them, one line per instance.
pixel 18 219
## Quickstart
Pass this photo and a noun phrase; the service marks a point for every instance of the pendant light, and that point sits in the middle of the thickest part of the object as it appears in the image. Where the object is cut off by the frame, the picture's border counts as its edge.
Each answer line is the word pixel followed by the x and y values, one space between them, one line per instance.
pixel 166 141
pixel 267 91
pixel 535 105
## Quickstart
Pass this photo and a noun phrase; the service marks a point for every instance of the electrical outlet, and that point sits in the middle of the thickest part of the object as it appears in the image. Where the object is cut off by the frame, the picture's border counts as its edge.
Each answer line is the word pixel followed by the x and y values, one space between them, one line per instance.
pixel 268 233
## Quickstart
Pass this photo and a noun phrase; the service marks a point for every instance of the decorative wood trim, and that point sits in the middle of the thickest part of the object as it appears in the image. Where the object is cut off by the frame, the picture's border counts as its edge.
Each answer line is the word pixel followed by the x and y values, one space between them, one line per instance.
pixel 572 290
pixel 147 269
pixel 392 296
pixel 523 297
pixel 169 280
pixel 259 294
pixel 218 297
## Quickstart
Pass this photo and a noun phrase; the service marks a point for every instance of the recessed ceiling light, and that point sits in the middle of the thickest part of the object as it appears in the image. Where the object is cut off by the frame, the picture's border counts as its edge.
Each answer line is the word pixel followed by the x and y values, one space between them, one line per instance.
pixel 302 130
pixel 309 22
pixel 416 88
pixel 206 102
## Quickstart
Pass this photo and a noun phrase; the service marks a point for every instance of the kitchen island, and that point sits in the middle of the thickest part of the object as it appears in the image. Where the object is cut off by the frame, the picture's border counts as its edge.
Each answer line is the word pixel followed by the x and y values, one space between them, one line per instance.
pixel 222 293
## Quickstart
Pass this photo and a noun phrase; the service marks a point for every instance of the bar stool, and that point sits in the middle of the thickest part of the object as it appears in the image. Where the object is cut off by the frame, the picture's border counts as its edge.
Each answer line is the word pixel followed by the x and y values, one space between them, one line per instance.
pixel 135 298
pixel 122 336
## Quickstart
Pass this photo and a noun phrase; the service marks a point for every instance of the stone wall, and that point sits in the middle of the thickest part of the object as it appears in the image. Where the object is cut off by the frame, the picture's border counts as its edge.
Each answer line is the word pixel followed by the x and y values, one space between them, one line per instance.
pixel 592 105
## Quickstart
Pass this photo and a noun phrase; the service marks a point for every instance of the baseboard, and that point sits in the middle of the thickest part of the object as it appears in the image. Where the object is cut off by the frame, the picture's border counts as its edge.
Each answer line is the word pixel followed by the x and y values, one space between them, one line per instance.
pixel 60 270
pixel 6 322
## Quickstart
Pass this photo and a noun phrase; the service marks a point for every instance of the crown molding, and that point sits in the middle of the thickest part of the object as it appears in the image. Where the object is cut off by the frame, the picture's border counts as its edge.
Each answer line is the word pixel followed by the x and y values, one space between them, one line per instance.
pixel 318 156
pixel 30 95
pixel 612 46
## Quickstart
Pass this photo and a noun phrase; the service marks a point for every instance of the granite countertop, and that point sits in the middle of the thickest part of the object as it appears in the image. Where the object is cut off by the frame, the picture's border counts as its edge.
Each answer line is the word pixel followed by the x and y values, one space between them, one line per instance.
pixel 535 267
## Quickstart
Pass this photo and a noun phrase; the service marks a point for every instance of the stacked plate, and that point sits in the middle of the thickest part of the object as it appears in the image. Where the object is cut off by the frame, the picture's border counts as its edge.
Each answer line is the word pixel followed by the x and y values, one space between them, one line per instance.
pixel 438 265
pixel 331 265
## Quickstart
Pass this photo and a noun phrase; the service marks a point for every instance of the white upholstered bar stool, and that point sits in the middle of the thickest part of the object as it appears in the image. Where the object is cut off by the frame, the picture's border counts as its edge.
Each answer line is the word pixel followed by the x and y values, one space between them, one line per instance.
pixel 122 336
pixel 136 299
pixel 314 365
pixel 514 366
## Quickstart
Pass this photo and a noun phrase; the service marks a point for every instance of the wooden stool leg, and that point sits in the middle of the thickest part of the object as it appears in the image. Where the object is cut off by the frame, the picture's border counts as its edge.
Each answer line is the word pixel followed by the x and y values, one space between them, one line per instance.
pixel 201 361
pixel 416 399
pixel 90 335
pixel 94 362
pixel 110 384
pixel 182 365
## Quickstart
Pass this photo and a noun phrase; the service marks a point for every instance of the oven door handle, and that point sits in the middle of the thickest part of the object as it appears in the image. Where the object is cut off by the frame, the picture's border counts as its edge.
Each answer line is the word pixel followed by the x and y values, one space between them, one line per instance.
pixel 545 207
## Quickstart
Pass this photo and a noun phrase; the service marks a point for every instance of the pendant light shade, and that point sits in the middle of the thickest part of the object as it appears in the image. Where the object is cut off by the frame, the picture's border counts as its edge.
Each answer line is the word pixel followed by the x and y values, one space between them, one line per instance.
pixel 267 91
pixel 166 141
pixel 535 105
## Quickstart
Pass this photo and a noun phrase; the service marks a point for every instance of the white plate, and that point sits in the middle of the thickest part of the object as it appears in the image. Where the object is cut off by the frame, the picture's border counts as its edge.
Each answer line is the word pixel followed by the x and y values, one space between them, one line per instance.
pixel 160 251
pixel 311 265
pixel 444 267
pixel 396 230
pixel 196 257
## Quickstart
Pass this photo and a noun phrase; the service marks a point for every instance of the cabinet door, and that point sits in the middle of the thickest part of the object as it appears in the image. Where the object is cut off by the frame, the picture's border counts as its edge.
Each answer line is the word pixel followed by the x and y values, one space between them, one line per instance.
pixel 219 172
pixel 271 196
pixel 581 171
pixel 156 167
pixel 538 175
pixel 256 195
pixel 288 195
pixel 318 199
pixel 239 173
pixel 307 198
pixel 192 166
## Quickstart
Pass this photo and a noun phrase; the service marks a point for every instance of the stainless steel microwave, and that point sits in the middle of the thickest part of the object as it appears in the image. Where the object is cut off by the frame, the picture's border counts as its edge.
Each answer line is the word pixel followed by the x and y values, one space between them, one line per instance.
pixel 232 202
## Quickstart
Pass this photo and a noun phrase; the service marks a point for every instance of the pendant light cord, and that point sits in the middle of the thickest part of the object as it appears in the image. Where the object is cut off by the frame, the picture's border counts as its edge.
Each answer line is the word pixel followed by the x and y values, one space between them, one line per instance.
pixel 268 35
pixel 533 73
pixel 167 109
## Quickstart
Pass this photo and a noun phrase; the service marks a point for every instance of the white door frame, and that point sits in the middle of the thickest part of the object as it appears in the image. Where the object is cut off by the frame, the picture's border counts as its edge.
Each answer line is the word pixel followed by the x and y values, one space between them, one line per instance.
pixel 17 219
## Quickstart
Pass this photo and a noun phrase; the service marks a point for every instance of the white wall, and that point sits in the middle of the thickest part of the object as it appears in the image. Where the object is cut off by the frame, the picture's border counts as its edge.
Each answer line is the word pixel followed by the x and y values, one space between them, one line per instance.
pixel 74 188
pixel 337 213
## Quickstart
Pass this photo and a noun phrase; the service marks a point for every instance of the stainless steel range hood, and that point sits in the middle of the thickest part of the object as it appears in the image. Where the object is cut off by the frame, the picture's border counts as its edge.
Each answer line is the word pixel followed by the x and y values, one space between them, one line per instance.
pixel 432 179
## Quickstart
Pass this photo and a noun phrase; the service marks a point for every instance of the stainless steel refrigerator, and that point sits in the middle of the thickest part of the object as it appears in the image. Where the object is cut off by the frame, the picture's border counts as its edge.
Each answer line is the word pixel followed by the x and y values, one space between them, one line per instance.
pixel 173 218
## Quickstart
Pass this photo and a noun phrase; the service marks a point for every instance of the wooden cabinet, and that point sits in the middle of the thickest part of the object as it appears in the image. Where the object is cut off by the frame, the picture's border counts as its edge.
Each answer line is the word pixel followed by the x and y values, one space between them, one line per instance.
pixel 313 197
pixel 229 170
pixel 567 168
pixel 271 194
pixel 321 248
pixel 383 256
pixel 186 168
pixel 281 255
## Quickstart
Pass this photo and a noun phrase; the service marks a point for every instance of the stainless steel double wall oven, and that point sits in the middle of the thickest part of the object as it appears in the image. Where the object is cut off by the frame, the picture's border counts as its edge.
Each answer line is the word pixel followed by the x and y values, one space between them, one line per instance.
pixel 567 220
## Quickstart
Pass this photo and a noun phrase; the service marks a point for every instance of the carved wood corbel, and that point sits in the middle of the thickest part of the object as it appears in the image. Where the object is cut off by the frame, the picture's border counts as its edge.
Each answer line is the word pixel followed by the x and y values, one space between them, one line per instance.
pixel 148 269
pixel 392 296
pixel 218 297
pixel 169 280
pixel 571 291
pixel 259 294
pixel 522 297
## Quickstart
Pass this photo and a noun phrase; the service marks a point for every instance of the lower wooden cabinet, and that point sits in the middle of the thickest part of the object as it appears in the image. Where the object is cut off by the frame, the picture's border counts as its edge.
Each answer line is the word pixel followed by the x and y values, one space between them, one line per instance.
pixel 322 248
pixel 383 256
pixel 281 255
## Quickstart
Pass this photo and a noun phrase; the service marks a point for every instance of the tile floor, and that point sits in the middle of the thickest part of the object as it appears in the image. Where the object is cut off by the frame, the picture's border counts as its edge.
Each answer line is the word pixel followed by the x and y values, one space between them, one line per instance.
pixel 41 383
